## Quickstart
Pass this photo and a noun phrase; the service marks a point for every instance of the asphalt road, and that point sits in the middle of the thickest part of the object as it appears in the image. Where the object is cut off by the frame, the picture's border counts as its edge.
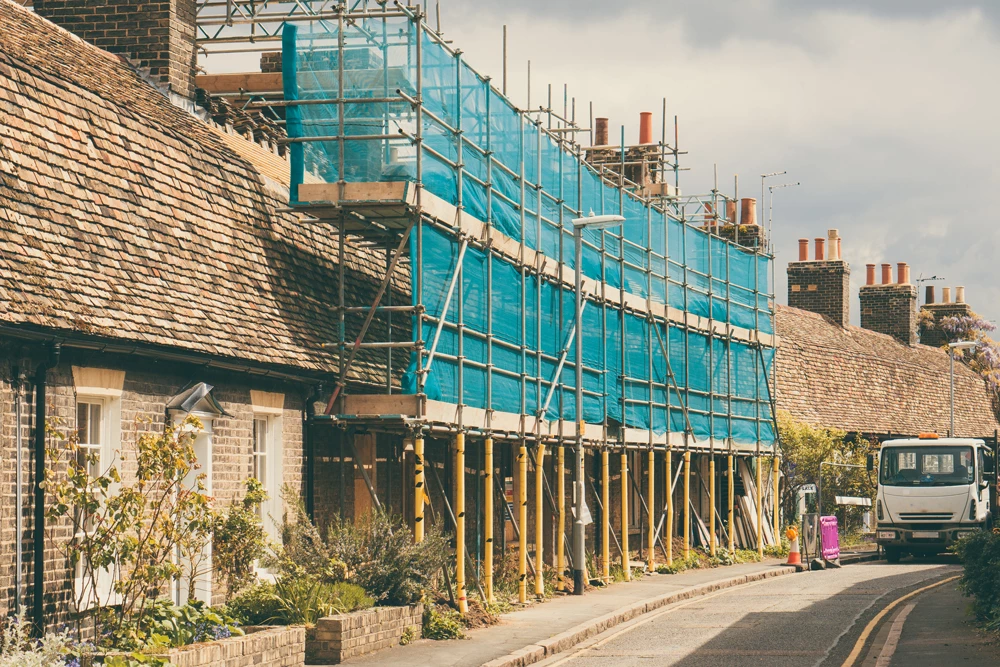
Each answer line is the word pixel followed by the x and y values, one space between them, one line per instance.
pixel 851 616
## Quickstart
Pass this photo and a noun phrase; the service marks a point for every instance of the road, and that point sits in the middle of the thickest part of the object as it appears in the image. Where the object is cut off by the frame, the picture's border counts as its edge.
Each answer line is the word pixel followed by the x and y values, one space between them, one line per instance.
pixel 871 614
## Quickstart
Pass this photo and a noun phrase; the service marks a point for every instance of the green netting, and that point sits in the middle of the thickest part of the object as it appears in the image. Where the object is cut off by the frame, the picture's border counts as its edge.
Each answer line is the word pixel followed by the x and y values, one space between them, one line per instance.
pixel 477 151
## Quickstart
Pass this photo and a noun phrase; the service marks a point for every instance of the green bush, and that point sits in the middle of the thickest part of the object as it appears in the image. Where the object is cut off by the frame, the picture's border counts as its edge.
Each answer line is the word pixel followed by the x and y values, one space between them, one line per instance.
pixel 442 624
pixel 382 558
pixel 980 555
pixel 692 562
pixel 304 600
pixel 256 605
pixel 239 540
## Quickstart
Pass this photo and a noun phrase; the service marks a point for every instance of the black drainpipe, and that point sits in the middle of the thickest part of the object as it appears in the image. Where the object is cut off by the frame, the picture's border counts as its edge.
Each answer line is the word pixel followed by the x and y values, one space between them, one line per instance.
pixel 41 377
pixel 307 448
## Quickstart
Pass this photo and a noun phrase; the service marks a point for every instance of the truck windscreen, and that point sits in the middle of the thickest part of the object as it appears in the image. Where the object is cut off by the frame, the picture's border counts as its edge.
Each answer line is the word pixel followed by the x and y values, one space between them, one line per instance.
pixel 927 466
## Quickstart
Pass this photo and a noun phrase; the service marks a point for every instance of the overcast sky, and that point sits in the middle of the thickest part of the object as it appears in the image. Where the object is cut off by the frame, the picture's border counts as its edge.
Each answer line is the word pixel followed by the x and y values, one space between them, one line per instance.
pixel 884 110
pixel 888 116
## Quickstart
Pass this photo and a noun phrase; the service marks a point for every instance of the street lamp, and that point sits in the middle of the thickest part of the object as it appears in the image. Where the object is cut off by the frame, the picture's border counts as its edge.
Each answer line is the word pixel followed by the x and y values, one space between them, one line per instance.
pixel 957 345
pixel 579 548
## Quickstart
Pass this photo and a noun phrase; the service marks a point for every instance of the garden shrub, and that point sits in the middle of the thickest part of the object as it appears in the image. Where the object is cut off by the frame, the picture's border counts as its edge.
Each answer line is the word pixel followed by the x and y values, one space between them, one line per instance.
pixel 442 623
pixel 980 555
pixel 255 605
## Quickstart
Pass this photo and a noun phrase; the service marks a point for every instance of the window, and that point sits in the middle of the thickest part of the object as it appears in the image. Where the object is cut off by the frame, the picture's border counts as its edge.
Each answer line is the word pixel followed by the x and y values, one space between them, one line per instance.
pixel 260 437
pixel 927 466
pixel 91 441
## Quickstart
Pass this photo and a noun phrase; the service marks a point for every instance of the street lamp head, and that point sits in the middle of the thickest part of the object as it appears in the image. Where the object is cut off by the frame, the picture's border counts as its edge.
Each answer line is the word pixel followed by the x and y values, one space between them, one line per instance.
pixel 963 345
pixel 598 221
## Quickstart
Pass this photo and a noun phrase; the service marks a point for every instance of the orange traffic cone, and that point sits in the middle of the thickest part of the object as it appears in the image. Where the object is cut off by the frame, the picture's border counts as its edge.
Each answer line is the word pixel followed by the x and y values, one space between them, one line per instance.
pixel 794 557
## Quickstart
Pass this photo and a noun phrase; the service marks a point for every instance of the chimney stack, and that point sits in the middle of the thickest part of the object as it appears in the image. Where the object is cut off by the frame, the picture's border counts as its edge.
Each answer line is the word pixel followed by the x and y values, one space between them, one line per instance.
pixel 821 285
pixel 600 131
pixel 929 295
pixel 869 274
pixel 160 36
pixel 930 332
pixel 890 308
pixel 645 127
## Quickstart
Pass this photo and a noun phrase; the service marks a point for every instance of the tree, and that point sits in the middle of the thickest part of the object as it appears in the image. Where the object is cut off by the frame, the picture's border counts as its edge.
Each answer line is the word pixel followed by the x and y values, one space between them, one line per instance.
pixel 130 529
pixel 804 447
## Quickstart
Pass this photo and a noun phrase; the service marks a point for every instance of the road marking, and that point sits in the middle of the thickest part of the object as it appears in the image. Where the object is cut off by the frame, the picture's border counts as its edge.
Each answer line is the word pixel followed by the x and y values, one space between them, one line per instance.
pixel 885 657
pixel 860 644
pixel 666 610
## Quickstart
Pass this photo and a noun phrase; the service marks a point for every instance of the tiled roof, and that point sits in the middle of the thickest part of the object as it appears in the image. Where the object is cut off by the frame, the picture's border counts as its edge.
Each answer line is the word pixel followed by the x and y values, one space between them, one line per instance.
pixel 858 380
pixel 124 216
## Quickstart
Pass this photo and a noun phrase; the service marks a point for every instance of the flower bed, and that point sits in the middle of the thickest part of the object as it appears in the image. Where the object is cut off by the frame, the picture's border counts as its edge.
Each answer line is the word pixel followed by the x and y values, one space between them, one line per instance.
pixel 337 638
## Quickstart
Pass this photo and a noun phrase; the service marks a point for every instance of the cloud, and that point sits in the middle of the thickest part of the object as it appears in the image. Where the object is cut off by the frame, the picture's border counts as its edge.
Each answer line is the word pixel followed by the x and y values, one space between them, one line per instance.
pixel 885 114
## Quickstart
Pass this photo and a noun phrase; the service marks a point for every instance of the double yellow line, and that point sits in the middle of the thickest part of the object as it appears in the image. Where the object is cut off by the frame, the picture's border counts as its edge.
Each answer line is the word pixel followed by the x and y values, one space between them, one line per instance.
pixel 860 644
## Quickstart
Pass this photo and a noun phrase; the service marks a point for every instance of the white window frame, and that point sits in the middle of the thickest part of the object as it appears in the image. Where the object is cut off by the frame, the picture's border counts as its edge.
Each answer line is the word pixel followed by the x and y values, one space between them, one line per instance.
pixel 109 398
pixel 272 509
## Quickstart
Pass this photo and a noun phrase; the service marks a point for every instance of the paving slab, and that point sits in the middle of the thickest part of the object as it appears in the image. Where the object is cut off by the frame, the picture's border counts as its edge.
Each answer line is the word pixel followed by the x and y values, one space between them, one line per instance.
pixel 528 635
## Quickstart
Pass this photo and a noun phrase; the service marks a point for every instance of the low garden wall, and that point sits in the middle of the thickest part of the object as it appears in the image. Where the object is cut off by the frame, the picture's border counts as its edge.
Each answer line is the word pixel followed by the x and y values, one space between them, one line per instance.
pixel 337 638
pixel 273 646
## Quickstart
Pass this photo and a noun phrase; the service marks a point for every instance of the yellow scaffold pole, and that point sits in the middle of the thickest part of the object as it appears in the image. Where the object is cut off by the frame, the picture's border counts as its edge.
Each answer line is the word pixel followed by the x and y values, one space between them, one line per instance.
pixel 687 505
pixel 711 503
pixel 774 502
pixel 488 518
pixel 561 528
pixel 670 506
pixel 760 510
pixel 463 603
pixel 650 497
pixel 418 490
pixel 624 498
pixel 522 518
pixel 732 501
pixel 539 521
pixel 605 519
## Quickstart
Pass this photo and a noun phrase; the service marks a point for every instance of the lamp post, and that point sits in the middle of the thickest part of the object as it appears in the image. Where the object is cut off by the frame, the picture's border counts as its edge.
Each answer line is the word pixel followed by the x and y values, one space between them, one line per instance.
pixel 579 548
pixel 957 345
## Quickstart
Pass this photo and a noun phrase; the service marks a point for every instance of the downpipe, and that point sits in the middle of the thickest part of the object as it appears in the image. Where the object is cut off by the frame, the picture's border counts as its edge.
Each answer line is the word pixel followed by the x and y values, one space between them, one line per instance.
pixel 38 594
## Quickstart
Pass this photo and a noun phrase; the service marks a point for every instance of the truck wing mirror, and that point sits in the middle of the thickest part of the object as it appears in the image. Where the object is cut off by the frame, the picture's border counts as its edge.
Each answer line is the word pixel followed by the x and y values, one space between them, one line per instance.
pixel 871 462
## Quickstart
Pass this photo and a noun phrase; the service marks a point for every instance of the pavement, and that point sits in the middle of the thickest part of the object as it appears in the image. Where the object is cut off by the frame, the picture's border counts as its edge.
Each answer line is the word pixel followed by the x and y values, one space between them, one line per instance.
pixel 531 634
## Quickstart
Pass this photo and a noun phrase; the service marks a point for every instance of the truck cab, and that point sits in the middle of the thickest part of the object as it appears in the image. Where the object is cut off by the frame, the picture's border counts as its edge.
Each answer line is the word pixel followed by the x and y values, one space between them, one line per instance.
pixel 931 492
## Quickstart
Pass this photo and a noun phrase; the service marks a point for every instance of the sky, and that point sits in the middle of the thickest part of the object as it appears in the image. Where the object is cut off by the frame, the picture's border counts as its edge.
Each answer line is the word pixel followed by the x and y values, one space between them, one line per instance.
pixel 884 111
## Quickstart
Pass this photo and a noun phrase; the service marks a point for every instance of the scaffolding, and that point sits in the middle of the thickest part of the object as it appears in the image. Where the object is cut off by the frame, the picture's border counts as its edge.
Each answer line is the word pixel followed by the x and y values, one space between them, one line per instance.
pixel 419 151
pixel 470 201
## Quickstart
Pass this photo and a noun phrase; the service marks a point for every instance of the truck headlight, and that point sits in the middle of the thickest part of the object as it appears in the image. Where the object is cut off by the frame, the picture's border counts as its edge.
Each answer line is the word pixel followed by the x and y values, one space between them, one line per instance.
pixel 972 510
pixel 881 515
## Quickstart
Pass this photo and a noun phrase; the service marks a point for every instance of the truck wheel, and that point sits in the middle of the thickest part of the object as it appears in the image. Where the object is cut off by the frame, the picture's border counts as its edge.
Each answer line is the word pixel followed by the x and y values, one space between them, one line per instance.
pixel 892 554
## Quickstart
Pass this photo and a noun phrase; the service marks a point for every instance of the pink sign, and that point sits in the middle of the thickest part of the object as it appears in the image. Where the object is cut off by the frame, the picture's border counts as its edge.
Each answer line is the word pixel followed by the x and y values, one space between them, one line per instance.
pixel 829 539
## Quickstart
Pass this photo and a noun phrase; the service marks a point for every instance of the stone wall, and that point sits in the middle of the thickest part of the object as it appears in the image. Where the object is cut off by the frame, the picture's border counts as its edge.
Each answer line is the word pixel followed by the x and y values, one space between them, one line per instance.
pixel 337 638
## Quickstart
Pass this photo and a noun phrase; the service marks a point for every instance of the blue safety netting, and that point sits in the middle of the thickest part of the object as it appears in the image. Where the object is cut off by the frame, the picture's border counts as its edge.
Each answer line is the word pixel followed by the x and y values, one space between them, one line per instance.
pixel 480 153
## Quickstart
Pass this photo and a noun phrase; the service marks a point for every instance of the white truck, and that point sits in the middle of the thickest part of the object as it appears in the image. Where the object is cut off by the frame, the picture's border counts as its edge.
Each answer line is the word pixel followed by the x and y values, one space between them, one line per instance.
pixel 932 491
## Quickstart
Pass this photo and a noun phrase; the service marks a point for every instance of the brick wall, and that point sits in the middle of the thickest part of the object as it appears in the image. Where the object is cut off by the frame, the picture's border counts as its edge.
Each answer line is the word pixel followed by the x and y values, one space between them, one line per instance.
pixel 270 61
pixel 271 646
pixel 337 638
pixel 932 335
pixel 148 386
pixel 890 309
pixel 748 236
pixel 158 35
pixel 822 287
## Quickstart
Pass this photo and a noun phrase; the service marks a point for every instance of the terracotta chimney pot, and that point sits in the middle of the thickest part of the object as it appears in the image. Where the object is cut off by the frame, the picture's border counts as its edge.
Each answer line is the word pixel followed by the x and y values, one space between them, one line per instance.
pixel 748 211
pixel 645 127
pixel 902 273
pixel 960 295
pixel 945 295
pixel 929 294
pixel 869 274
pixel 820 249
pixel 840 251
pixel 731 211
pixel 887 274
pixel 803 250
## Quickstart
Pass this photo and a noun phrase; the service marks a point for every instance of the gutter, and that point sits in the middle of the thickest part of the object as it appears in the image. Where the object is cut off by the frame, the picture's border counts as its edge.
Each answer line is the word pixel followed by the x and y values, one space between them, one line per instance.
pixel 38 595
pixel 75 340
